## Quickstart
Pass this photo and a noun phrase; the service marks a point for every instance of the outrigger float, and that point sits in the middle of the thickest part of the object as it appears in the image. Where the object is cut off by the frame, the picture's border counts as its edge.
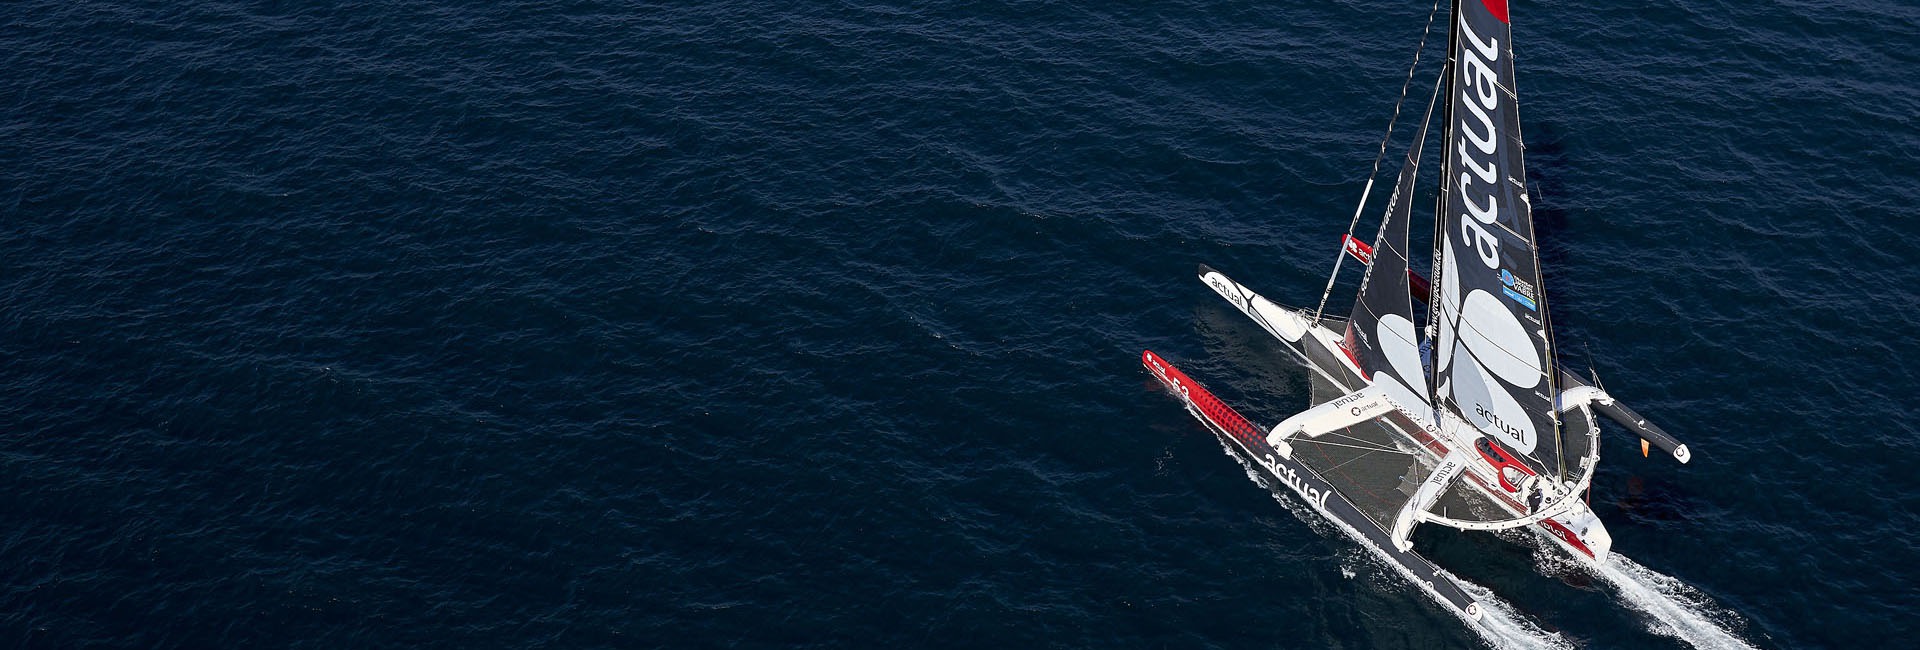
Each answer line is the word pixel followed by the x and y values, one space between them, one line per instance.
pixel 1463 420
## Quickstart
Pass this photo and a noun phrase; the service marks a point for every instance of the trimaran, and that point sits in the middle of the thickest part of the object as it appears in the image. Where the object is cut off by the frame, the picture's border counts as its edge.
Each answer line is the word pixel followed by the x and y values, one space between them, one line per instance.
pixel 1462 418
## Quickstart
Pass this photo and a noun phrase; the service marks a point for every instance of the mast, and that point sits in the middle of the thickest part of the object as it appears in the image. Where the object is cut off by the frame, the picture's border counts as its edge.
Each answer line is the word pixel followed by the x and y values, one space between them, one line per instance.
pixel 1446 172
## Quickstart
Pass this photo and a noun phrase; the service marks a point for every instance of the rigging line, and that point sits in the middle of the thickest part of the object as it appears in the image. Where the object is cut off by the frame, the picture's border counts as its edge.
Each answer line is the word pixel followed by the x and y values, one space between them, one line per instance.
pixel 1359 443
pixel 1336 468
pixel 1341 255
pixel 1361 448
pixel 1349 436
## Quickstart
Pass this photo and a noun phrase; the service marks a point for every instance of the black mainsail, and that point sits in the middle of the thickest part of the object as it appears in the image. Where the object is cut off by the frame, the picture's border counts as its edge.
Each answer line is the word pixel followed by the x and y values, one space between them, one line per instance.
pixel 1492 343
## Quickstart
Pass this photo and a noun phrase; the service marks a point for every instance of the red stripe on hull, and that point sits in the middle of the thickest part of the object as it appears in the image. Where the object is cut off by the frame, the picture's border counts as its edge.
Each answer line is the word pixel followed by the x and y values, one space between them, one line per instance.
pixel 1560 530
pixel 1210 407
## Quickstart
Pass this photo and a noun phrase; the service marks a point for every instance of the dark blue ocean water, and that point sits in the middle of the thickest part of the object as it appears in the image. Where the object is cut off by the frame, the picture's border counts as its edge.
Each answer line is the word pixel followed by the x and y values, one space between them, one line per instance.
pixel 569 324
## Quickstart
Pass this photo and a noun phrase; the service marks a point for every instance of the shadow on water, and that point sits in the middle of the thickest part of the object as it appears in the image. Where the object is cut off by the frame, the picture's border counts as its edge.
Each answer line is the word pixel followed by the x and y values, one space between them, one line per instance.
pixel 1646 502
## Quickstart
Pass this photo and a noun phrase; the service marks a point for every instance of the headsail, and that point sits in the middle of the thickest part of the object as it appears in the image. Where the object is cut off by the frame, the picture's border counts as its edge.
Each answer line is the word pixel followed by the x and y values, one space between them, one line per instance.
pixel 1381 334
pixel 1492 341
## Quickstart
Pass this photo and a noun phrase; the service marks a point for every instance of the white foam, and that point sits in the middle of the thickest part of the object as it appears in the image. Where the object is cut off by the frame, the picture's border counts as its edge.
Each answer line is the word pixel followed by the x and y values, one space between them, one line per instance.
pixel 1675 609
pixel 1504 627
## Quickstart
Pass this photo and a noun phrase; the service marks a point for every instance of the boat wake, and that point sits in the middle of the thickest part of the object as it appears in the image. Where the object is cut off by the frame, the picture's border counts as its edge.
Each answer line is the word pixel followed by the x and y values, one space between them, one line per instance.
pixel 1674 608
pixel 1505 628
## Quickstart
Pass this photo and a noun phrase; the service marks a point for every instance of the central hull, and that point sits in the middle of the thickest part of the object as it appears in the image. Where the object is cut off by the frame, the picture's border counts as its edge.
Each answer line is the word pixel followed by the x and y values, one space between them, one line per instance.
pixel 1575 529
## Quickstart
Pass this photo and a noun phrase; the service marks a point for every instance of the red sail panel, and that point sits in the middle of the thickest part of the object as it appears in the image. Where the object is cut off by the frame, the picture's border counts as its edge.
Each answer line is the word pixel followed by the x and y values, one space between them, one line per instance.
pixel 1496 7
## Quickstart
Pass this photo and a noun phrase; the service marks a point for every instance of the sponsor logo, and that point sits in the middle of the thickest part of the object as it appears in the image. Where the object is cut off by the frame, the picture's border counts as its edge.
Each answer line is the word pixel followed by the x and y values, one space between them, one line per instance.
pixel 1220 287
pixel 1171 381
pixel 1287 475
pixel 1358 249
pixel 1354 405
pixel 1561 531
pixel 1522 299
pixel 1479 154
pixel 1493 419
pixel 1519 290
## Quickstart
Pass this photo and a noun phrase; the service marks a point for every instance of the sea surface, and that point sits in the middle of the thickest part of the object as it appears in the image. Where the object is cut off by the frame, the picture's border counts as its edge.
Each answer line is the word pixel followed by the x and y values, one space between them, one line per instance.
pixel 751 324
